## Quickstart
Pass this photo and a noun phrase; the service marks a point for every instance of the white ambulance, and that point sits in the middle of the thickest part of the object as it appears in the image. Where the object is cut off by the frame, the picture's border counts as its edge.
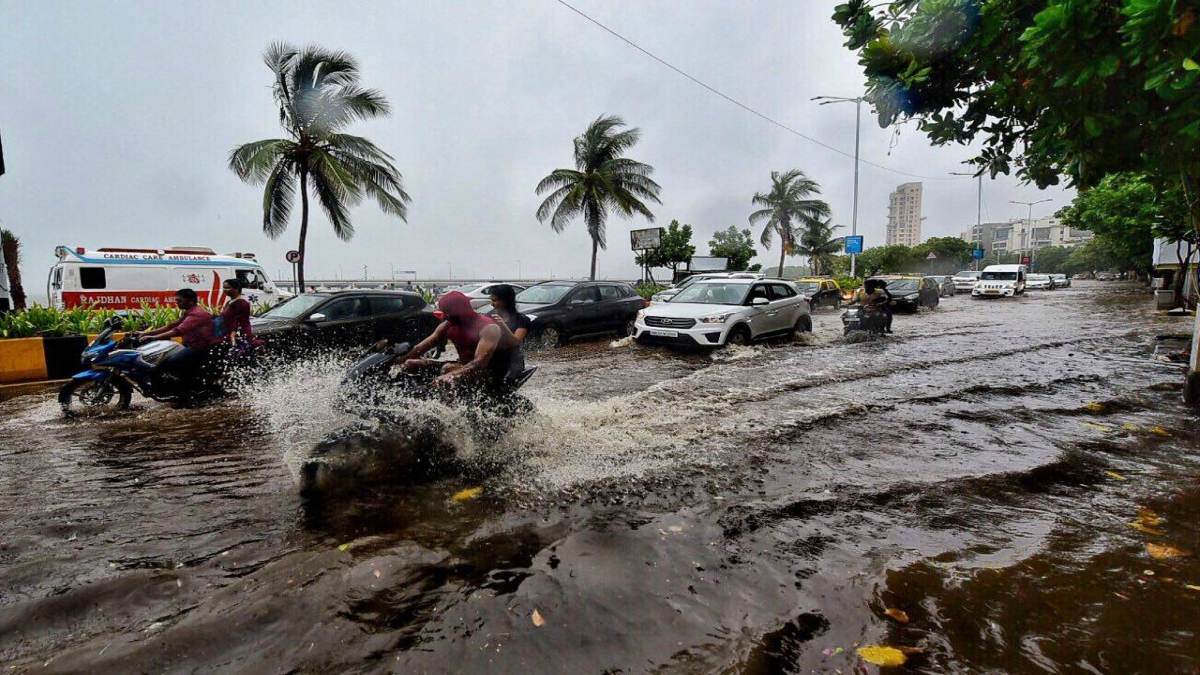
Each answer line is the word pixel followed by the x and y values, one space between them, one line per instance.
pixel 128 278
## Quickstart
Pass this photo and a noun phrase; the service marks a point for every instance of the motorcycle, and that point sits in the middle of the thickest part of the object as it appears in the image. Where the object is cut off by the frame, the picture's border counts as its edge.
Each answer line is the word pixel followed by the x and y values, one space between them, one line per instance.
pixel 116 368
pixel 857 319
pixel 396 440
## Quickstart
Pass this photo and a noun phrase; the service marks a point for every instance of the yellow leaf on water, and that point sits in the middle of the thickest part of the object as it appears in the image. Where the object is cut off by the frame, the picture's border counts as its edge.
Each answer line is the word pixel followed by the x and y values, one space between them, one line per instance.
pixel 1191 587
pixel 1116 475
pixel 1142 528
pixel 464 495
pixel 898 614
pixel 1092 406
pixel 1159 431
pixel 378 574
pixel 344 547
pixel 537 619
pixel 882 656
pixel 1131 427
pixel 1098 427
pixel 1148 517
pixel 1164 552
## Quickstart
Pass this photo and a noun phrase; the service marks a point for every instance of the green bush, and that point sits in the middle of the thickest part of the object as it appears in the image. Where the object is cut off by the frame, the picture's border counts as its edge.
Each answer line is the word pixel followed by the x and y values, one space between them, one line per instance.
pixel 848 283
pixel 647 290
pixel 39 321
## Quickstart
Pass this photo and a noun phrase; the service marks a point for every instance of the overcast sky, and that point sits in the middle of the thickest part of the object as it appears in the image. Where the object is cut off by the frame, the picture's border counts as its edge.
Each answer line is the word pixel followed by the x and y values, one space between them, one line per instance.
pixel 118 118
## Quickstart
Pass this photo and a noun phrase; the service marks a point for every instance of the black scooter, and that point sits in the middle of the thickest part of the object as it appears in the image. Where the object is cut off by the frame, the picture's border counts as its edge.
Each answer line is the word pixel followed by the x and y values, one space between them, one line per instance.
pixel 857 319
pixel 396 442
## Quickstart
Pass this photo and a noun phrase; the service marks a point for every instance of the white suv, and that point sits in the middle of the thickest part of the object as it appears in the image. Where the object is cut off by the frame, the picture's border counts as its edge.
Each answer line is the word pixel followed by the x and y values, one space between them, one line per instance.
pixel 715 312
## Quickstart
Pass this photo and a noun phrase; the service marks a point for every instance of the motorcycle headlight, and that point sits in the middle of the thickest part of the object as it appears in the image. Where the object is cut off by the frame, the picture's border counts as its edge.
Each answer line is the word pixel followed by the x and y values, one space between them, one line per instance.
pixel 716 318
pixel 912 296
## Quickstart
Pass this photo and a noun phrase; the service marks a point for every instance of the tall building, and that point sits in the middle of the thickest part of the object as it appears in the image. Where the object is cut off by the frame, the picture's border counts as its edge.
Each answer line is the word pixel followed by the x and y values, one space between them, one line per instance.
pixel 904 215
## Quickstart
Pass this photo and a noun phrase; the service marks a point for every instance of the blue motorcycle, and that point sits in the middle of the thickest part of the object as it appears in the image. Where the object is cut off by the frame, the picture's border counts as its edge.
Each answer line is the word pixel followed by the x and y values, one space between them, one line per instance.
pixel 115 369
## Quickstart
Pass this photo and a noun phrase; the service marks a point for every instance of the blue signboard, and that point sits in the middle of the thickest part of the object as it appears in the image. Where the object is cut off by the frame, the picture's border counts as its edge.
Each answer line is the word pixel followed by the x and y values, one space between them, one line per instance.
pixel 854 244
pixel 977 254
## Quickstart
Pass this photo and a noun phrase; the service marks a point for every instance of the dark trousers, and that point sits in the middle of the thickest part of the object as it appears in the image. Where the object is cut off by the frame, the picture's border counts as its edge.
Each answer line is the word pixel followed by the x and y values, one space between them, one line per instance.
pixel 185 363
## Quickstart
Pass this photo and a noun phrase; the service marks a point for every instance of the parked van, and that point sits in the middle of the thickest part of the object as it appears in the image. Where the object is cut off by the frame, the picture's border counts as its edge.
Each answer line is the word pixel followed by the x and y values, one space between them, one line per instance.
pixel 127 278
pixel 1000 281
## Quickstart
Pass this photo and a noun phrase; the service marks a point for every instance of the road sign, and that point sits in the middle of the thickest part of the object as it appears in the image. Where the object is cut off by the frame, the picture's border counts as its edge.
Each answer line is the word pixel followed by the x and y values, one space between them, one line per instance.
pixel 931 256
pixel 854 244
pixel 1025 260
pixel 293 257
pixel 977 254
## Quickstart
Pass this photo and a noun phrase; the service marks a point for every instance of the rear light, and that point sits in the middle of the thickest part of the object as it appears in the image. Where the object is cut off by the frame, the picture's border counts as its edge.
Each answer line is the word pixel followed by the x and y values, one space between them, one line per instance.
pixel 79 250
pixel 439 315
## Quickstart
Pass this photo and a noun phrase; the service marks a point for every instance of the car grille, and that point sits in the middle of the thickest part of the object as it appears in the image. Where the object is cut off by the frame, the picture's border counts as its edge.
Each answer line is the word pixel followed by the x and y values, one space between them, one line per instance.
pixel 669 322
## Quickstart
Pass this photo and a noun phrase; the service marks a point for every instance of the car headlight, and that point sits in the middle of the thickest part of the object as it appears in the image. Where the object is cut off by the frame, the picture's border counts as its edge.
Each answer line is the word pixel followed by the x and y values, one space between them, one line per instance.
pixel 531 317
pixel 912 296
pixel 717 318
pixel 641 314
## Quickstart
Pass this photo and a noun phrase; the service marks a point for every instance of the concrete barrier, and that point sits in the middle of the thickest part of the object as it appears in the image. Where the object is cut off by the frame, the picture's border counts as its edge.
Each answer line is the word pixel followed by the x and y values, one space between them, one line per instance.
pixel 40 359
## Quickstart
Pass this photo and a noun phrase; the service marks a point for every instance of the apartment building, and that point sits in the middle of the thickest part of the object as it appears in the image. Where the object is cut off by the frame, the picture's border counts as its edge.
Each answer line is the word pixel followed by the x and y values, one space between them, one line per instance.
pixel 1017 235
pixel 904 215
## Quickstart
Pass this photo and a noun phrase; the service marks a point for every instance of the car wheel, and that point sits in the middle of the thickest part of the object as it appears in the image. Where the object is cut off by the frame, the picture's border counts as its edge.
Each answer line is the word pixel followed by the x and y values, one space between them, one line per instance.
pixel 804 324
pixel 626 329
pixel 549 337
pixel 936 300
pixel 739 336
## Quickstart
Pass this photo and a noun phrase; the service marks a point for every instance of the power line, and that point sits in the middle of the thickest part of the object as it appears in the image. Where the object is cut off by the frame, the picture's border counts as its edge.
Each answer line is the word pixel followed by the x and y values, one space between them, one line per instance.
pixel 743 106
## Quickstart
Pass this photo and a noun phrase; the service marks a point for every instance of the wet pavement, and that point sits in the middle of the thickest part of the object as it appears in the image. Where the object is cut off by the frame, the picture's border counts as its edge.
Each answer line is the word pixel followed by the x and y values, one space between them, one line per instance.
pixel 1003 486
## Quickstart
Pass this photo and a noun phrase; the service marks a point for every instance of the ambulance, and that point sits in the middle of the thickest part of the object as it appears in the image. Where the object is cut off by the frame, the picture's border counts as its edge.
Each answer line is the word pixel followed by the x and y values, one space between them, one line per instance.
pixel 128 278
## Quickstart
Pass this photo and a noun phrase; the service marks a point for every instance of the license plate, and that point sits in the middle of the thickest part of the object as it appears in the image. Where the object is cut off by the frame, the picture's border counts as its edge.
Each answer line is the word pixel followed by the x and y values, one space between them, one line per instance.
pixel 664 333
pixel 992 292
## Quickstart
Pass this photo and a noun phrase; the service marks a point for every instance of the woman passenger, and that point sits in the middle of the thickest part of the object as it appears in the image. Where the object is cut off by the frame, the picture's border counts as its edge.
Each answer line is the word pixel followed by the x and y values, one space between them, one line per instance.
pixel 515 324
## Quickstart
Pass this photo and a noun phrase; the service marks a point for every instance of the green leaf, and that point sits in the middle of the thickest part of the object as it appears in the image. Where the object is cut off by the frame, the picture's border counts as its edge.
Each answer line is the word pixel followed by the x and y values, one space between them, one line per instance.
pixel 1093 126
pixel 1189 64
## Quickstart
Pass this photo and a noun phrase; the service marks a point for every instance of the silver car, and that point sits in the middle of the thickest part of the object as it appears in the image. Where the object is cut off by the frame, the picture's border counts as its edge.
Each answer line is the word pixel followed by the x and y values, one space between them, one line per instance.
pixel 666 294
pixel 965 280
pixel 716 312
pixel 1061 280
pixel 480 294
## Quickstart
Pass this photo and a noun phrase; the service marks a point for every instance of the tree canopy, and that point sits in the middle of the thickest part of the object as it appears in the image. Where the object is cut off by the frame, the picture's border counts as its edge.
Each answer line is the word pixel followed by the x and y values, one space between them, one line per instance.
pixel 735 245
pixel 676 248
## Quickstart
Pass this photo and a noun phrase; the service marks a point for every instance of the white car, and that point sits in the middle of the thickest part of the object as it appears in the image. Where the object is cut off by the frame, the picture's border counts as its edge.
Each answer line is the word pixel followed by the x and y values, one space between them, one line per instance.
pixel 716 312
pixel 1000 281
pixel 1061 280
pixel 480 294
pixel 1039 282
pixel 668 293
pixel 965 280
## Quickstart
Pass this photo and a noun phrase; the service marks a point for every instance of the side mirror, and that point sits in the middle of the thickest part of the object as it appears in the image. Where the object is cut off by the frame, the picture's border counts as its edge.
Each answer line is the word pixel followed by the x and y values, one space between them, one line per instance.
pixel 758 302
pixel 315 318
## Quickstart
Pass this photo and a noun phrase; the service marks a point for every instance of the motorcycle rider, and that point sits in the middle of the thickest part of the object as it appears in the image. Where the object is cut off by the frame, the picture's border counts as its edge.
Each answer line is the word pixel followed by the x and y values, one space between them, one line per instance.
pixel 194 328
pixel 485 351
pixel 874 299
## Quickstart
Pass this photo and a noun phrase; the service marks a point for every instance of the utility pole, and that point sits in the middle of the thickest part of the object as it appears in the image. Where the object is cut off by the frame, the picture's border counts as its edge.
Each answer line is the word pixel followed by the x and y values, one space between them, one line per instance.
pixel 858 101
pixel 978 209
pixel 1029 227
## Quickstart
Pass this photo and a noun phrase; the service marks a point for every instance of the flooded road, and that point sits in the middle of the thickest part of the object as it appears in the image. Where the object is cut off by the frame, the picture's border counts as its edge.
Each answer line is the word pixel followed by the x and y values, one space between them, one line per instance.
pixel 1005 486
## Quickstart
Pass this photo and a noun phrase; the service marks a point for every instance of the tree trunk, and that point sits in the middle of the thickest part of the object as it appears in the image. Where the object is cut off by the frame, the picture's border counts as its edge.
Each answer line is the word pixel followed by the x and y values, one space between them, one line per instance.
pixel 12 260
pixel 303 230
pixel 595 250
pixel 593 222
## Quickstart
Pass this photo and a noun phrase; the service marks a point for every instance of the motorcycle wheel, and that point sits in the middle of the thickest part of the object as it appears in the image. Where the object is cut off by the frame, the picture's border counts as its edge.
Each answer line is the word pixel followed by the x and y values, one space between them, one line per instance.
pixel 94 394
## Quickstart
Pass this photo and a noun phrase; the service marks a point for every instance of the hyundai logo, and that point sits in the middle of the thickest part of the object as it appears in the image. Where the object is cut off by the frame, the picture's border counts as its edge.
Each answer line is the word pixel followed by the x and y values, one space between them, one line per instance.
pixel 666 322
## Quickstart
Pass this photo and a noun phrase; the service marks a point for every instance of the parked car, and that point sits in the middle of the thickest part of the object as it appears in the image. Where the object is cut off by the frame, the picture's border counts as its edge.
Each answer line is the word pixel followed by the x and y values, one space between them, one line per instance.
pixel 716 312
pixel 910 293
pixel 1039 282
pixel 820 292
pixel 1000 281
pixel 965 280
pixel 668 293
pixel 562 310
pixel 1105 276
pixel 480 294
pixel 345 320
pixel 1061 280
pixel 946 286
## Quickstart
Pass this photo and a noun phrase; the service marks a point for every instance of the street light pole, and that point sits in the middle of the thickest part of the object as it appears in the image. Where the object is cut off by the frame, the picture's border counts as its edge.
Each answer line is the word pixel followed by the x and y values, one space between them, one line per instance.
pixel 1029 227
pixel 978 209
pixel 858 101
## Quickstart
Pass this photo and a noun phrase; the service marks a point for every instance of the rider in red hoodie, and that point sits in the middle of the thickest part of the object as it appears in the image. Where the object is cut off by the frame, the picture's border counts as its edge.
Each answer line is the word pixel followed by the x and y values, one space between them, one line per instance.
pixel 484 349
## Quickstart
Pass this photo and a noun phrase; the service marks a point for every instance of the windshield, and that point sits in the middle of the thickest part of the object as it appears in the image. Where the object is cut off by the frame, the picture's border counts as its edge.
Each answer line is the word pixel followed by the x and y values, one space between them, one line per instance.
pixel 1038 277
pixel 968 273
pixel 546 294
pixel 807 286
pixel 998 276
pixel 296 307
pixel 713 294
pixel 902 286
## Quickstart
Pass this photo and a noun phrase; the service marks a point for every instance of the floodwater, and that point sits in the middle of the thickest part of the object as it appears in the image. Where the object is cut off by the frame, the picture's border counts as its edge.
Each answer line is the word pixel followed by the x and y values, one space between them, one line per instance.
pixel 760 510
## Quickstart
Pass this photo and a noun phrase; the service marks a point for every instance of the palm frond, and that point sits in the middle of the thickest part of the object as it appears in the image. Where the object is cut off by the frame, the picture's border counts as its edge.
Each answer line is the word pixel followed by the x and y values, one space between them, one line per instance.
pixel 254 162
pixel 557 179
pixel 279 194
pixel 551 202
pixel 333 199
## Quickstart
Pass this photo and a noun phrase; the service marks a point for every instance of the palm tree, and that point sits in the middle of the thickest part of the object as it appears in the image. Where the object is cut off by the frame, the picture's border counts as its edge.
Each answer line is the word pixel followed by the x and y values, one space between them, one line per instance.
pixel 318 95
pixel 10 249
pixel 816 241
pixel 787 202
pixel 602 180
